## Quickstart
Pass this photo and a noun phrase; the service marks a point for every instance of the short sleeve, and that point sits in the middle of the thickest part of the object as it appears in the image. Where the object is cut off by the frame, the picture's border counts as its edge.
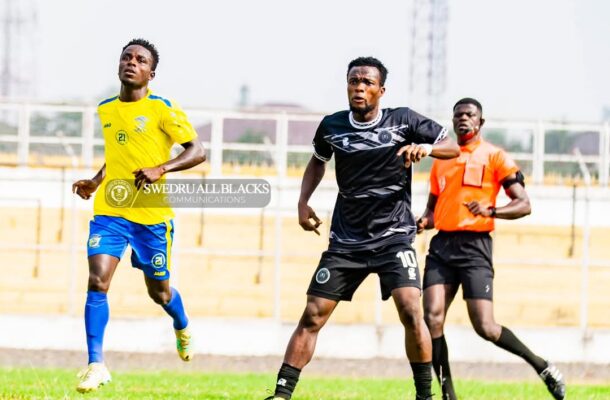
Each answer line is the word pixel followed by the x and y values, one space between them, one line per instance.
pixel 434 188
pixel 322 150
pixel 175 123
pixel 503 165
pixel 425 130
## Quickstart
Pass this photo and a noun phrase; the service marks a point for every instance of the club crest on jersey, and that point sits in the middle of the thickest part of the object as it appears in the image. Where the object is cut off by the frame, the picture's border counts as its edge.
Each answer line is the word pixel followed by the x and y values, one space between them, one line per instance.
pixel 385 137
pixel 140 124
pixel 323 275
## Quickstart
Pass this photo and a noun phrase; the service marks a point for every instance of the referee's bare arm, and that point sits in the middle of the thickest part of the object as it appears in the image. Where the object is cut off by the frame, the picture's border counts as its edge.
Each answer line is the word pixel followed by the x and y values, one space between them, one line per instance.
pixel 519 205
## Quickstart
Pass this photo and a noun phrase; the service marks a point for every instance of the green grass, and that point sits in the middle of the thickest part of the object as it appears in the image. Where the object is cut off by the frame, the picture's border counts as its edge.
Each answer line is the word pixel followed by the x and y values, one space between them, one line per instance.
pixel 23 383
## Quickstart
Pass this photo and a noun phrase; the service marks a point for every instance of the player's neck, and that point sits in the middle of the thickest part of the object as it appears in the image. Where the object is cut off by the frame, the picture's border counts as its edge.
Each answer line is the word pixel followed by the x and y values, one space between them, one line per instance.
pixel 366 117
pixel 130 94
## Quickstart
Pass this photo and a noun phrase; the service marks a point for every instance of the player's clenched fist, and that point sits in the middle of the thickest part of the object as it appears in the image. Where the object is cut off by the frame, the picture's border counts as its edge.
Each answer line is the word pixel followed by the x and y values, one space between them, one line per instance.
pixel 306 215
pixel 84 188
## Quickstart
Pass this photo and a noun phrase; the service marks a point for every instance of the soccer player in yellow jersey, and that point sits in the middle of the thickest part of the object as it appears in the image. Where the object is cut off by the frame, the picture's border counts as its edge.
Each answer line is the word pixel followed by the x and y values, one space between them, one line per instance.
pixel 139 130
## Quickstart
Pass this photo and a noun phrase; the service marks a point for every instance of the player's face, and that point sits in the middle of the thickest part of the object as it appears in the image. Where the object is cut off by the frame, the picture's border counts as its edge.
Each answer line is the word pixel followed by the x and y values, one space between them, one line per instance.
pixel 467 119
pixel 135 66
pixel 364 89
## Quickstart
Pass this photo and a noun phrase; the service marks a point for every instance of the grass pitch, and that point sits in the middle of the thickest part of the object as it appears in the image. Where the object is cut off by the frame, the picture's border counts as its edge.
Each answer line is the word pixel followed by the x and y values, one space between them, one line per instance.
pixel 33 383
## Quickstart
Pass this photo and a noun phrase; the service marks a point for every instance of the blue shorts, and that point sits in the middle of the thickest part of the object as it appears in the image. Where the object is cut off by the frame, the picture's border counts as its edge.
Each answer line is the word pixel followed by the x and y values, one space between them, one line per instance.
pixel 150 244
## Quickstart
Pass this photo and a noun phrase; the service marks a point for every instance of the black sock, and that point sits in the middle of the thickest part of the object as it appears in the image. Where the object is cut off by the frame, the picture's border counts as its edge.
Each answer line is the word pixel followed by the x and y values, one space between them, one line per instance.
pixel 287 379
pixel 422 375
pixel 508 341
pixel 440 362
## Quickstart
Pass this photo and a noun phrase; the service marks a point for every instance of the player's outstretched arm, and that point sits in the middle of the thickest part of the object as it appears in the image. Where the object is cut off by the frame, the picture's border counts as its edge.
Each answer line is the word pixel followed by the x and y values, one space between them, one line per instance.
pixel 314 172
pixel 192 155
pixel 86 187
pixel 414 152
pixel 426 221
pixel 519 205
pixel 445 149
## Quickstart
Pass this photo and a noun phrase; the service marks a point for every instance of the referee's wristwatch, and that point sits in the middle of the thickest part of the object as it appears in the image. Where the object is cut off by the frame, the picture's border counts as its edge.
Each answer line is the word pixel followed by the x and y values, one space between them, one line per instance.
pixel 492 212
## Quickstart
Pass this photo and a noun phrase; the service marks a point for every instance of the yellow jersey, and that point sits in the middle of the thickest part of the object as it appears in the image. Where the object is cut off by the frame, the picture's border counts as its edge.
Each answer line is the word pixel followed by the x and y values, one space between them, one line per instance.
pixel 138 134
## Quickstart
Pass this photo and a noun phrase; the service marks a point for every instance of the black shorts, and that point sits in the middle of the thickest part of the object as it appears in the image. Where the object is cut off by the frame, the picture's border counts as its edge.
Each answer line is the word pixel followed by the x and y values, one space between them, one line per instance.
pixel 339 274
pixel 461 258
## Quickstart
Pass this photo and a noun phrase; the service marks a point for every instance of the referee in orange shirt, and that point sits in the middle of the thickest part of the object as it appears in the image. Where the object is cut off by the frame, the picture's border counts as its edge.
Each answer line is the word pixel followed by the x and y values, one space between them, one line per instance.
pixel 462 206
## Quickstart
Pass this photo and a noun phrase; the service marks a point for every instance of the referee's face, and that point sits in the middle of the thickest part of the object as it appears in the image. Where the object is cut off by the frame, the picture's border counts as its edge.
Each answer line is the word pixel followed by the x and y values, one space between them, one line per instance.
pixel 135 66
pixel 364 89
pixel 467 119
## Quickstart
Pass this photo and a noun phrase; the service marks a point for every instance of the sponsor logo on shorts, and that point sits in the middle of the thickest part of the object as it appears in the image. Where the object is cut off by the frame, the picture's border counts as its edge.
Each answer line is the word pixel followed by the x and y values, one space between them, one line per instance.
pixel 94 241
pixel 158 260
pixel 160 273
pixel 119 193
pixel 323 275
pixel 487 288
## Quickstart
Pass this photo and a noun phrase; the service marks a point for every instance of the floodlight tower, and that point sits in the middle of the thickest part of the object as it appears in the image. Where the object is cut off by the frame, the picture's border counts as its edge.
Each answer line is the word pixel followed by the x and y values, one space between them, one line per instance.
pixel 428 61
pixel 18 51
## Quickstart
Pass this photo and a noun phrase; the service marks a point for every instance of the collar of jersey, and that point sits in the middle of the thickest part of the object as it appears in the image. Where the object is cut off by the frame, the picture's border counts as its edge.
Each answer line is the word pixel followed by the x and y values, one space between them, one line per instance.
pixel 470 147
pixel 128 103
pixel 365 125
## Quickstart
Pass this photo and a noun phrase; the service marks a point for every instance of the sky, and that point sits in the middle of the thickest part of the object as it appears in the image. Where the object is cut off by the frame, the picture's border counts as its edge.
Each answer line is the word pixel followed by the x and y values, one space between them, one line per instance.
pixel 522 58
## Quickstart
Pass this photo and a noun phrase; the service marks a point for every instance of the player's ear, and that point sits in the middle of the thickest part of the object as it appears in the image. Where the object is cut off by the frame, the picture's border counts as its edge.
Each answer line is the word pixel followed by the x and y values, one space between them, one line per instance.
pixel 382 90
pixel 481 122
pixel 152 75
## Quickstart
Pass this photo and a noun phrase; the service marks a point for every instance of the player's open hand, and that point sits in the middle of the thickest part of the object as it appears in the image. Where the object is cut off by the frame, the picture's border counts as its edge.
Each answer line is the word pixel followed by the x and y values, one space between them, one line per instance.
pixel 306 215
pixel 477 208
pixel 147 175
pixel 84 188
pixel 412 153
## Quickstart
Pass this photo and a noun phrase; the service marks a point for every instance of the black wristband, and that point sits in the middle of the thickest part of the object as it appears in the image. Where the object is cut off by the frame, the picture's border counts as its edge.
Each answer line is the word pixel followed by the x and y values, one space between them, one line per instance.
pixel 492 212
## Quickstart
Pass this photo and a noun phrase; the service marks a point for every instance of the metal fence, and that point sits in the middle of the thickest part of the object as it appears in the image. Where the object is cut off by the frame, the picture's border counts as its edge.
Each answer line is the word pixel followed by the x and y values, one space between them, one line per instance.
pixel 67 137
pixel 278 140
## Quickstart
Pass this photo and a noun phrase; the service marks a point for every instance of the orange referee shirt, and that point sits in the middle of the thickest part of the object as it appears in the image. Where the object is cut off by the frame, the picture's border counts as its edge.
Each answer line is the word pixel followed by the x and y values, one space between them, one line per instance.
pixel 475 175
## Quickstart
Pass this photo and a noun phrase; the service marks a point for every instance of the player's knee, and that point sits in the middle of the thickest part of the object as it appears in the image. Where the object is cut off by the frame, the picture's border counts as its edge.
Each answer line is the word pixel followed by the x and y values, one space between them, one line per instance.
pixel 435 319
pixel 312 319
pixel 487 329
pixel 410 315
pixel 160 297
pixel 97 284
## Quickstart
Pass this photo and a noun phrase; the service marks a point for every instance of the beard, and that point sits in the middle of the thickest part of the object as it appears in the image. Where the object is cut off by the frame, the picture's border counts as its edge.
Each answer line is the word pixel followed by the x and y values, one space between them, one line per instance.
pixel 362 111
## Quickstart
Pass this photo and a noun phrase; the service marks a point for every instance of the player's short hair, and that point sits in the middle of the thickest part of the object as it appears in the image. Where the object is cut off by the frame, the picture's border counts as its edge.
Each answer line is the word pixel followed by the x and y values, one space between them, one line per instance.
pixel 370 62
pixel 470 100
pixel 148 46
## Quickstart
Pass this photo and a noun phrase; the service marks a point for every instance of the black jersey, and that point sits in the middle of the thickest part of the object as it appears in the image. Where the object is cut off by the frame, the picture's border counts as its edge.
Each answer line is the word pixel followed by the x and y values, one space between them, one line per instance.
pixel 373 207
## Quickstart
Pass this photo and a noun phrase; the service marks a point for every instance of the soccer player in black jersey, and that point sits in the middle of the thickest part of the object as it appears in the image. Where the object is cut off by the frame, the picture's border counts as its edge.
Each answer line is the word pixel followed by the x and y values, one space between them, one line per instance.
pixel 372 225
